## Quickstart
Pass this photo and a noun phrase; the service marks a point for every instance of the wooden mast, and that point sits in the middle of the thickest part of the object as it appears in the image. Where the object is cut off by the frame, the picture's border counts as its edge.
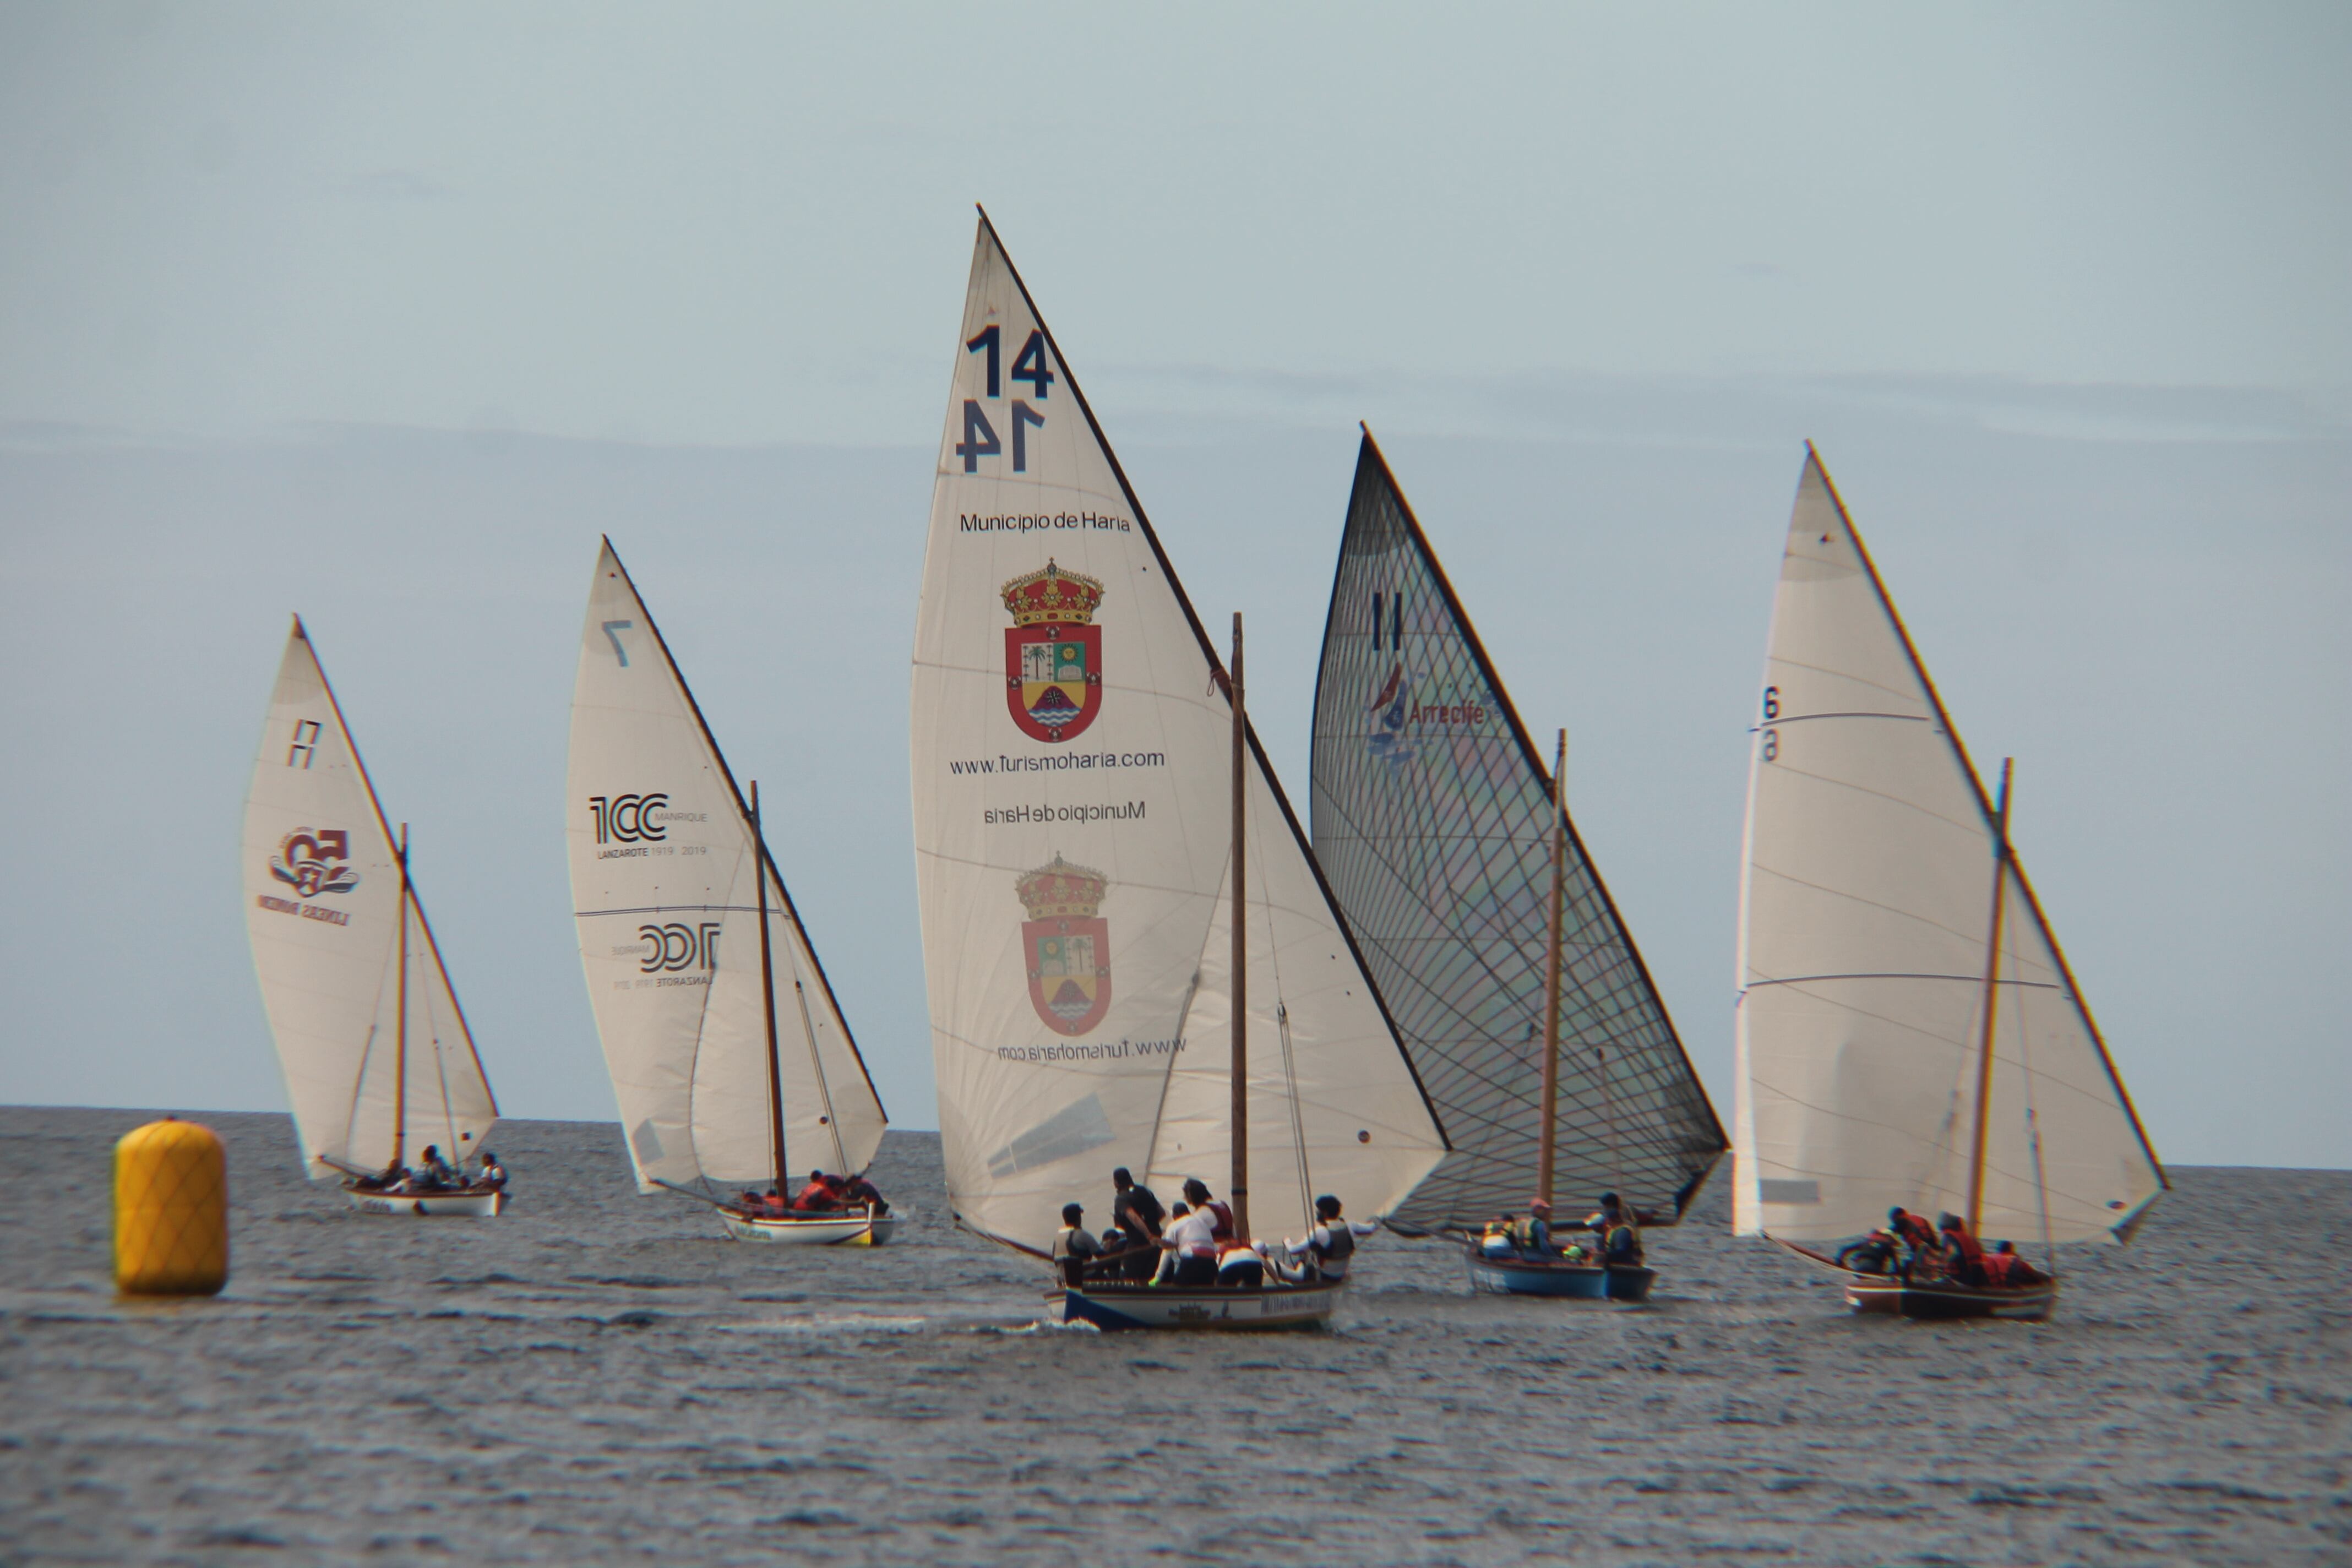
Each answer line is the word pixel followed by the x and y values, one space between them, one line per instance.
pixel 1991 998
pixel 400 1020
pixel 1548 1139
pixel 1240 1131
pixel 768 999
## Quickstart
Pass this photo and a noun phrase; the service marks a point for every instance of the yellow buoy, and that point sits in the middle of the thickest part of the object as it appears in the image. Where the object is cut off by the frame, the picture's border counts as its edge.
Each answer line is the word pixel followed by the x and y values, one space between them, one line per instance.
pixel 171 1210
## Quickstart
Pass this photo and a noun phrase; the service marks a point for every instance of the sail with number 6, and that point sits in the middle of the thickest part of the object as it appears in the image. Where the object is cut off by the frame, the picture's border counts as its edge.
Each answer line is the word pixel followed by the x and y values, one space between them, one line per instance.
pixel 1888 937
pixel 1074 786
pixel 377 1058
pixel 724 1082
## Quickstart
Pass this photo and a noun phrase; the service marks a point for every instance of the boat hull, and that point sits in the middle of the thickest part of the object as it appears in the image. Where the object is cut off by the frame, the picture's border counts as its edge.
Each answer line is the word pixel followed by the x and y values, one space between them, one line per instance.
pixel 1573 1281
pixel 1210 1309
pixel 822 1230
pixel 1949 1298
pixel 429 1206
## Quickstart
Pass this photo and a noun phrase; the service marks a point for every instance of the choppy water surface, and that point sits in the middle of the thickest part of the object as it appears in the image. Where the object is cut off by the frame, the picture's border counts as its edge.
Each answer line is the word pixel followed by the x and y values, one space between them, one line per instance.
pixel 600 1377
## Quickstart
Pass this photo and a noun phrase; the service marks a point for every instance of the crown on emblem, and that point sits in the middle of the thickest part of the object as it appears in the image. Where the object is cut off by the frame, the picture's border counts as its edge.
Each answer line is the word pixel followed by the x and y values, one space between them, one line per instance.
pixel 1062 890
pixel 1052 596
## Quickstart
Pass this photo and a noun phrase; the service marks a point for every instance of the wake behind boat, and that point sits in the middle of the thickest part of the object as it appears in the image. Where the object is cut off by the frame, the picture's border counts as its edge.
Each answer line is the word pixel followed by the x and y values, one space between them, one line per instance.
pixel 1130 956
pixel 729 1053
pixel 1911 1039
pixel 388 1092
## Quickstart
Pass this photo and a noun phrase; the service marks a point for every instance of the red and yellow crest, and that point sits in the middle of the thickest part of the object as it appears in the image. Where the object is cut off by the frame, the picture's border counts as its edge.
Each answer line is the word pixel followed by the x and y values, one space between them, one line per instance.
pixel 1067 945
pixel 1053 653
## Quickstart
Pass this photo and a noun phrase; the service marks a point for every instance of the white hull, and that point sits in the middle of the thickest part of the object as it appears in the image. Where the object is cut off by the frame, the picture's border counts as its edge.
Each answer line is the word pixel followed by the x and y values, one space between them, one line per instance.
pixel 1210 1308
pixel 429 1206
pixel 845 1230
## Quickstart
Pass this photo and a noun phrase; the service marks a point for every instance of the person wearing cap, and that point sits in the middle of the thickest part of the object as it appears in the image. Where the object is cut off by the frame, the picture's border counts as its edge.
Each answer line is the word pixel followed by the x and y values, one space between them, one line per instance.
pixel 1074 1247
pixel 1531 1233
pixel 855 1191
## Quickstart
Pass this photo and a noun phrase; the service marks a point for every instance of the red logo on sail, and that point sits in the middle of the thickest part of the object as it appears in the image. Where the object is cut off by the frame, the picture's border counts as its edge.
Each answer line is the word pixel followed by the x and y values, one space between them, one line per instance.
pixel 1067 945
pixel 1053 653
pixel 306 859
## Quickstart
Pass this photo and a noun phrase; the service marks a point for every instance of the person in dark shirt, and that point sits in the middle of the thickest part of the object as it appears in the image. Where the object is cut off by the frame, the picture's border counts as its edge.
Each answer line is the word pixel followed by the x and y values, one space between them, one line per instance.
pixel 857 1192
pixel 1136 1215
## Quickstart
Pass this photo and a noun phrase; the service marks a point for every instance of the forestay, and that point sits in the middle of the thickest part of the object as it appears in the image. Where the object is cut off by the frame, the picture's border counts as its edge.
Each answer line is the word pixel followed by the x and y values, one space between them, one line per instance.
pixel 323 908
pixel 668 910
pixel 1072 791
pixel 1433 817
pixel 1867 903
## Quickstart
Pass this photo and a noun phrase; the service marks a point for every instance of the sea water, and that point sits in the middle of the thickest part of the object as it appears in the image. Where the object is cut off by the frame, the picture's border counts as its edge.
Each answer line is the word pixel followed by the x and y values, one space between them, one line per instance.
pixel 598 1376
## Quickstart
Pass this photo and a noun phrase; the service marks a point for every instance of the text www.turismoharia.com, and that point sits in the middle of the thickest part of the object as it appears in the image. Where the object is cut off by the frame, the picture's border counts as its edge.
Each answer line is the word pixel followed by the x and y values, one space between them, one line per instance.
pixel 1058 762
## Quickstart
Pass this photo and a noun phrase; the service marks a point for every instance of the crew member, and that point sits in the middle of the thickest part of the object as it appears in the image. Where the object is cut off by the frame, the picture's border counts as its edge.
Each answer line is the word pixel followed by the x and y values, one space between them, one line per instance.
pixel 1074 1248
pixel 857 1190
pixel 1963 1255
pixel 817 1197
pixel 1531 1233
pixel 1326 1250
pixel 1621 1238
pixel 1191 1246
pixel 493 1175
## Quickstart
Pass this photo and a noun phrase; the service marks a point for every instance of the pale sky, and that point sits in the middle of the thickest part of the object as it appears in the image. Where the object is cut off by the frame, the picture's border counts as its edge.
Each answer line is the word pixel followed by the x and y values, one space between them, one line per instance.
pixel 383 312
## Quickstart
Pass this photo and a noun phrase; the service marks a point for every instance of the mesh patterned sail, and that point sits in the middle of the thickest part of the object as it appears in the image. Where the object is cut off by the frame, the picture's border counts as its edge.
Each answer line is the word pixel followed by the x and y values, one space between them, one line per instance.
pixel 1866 922
pixel 1434 815
pixel 663 859
pixel 1073 830
pixel 323 906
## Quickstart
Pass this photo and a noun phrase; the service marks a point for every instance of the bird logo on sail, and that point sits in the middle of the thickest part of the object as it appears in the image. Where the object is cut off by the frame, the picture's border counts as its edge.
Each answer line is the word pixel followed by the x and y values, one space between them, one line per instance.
pixel 1389 740
pixel 305 861
pixel 1067 945
pixel 1053 653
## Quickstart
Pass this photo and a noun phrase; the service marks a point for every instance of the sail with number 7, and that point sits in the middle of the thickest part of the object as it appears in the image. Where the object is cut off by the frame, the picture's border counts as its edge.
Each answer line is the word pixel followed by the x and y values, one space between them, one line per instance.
pixel 1074 824
pixel 378 1060
pixel 1888 936
pixel 733 1067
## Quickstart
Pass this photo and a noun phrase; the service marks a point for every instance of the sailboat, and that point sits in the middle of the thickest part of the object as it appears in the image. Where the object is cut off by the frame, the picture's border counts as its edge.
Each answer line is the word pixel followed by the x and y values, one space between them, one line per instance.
pixel 730 1057
pixel 1513 979
pixel 379 1063
pixel 1909 1032
pixel 1130 955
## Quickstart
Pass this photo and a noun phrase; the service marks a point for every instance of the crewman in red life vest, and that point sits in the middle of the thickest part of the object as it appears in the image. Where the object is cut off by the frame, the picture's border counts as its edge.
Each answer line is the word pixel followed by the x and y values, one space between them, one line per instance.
pixel 1964 1258
pixel 818 1197
pixel 1915 1233
pixel 2004 1267
pixel 1220 1218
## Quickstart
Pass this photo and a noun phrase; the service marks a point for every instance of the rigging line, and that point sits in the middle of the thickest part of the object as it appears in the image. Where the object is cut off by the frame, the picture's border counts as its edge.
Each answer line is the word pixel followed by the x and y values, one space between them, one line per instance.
pixel 672 909
pixel 1896 974
pixel 1801 718
pixel 1790 769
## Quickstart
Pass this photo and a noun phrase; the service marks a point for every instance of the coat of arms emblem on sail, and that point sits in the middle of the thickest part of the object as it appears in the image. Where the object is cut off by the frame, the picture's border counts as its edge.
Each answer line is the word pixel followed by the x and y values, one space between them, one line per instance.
pixel 1053 653
pixel 1067 945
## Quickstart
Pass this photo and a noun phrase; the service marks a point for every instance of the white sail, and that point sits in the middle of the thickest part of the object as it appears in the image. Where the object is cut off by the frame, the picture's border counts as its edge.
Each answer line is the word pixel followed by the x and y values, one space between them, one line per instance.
pixel 323 906
pixel 1073 806
pixel 663 862
pixel 1866 906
